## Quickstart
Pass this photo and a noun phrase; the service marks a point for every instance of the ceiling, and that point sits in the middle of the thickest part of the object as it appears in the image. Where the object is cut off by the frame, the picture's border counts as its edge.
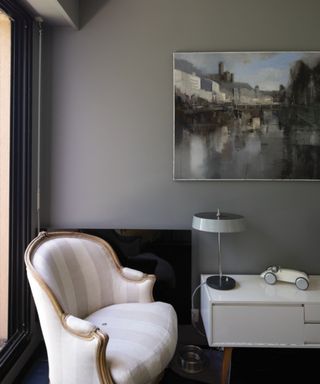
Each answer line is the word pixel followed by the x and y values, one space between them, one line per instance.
pixel 56 12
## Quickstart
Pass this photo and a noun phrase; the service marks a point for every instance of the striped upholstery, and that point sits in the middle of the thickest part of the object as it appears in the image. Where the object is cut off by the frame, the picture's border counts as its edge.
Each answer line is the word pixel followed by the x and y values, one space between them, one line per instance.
pixel 86 301
pixel 67 354
pixel 83 276
pixel 141 339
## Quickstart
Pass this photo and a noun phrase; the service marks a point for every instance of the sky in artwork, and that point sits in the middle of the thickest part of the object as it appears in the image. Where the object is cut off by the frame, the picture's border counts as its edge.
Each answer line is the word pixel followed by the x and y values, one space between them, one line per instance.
pixel 266 69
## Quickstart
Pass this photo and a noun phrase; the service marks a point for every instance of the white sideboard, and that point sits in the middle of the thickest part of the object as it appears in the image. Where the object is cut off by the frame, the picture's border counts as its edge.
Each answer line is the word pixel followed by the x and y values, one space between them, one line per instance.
pixel 255 314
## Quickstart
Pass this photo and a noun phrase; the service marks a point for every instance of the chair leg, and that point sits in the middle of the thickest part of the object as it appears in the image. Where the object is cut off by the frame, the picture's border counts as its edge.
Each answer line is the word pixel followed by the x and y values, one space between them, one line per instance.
pixel 226 365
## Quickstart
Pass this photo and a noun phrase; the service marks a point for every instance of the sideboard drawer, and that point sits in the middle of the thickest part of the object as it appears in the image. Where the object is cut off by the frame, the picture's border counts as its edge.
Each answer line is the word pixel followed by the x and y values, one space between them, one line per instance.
pixel 312 313
pixel 312 333
pixel 257 325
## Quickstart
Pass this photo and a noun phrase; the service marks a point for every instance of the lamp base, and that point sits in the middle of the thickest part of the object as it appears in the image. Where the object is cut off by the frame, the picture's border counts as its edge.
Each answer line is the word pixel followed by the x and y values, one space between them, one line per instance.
pixel 224 283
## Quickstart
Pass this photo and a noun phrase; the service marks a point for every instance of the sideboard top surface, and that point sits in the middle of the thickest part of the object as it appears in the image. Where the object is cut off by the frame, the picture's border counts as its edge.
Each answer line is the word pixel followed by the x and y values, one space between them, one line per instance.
pixel 253 289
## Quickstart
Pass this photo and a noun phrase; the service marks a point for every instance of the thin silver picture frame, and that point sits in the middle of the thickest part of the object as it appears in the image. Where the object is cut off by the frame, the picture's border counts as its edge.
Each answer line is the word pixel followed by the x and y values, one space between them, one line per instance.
pixel 233 116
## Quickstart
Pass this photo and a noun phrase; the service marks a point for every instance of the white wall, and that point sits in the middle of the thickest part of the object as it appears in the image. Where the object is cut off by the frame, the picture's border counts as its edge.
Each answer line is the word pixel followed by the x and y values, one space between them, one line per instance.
pixel 107 153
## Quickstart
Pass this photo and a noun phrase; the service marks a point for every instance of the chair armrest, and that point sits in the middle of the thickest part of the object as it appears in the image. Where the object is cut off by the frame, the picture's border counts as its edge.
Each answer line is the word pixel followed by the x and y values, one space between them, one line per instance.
pixel 132 274
pixel 78 326
pixel 86 344
pixel 133 286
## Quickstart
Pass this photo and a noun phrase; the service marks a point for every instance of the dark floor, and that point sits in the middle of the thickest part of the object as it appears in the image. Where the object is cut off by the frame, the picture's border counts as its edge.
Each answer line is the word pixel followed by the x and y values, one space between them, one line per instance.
pixel 249 366
pixel 275 365
pixel 37 373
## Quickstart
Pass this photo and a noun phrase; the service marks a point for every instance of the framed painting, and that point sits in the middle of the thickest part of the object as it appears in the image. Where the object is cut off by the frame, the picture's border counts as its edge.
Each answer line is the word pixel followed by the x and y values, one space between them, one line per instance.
pixel 246 116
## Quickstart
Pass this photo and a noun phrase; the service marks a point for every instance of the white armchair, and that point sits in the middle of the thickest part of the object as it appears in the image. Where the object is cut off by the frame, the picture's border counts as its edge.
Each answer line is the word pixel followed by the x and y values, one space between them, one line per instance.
pixel 99 321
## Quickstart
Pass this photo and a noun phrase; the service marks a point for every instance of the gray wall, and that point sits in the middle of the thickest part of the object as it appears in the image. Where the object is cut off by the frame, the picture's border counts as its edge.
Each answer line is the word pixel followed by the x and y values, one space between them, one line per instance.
pixel 107 149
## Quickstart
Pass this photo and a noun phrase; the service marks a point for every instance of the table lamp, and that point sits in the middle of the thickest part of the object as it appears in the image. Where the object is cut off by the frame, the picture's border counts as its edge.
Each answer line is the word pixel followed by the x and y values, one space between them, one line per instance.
pixel 218 222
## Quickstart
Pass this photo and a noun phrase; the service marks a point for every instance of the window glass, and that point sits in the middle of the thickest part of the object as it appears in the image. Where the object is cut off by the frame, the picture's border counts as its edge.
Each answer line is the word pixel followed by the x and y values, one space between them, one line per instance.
pixel 5 82
pixel 16 32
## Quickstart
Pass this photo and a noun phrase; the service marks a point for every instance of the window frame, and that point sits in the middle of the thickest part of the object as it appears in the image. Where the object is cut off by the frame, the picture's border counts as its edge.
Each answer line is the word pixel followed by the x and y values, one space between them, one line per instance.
pixel 19 321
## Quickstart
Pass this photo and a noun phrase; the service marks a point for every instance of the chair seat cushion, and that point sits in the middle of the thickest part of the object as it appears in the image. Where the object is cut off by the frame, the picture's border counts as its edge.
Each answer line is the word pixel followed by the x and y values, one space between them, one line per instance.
pixel 142 339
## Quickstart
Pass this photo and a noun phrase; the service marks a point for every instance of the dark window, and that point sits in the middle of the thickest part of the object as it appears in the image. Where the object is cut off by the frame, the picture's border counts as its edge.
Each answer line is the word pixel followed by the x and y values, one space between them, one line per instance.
pixel 18 184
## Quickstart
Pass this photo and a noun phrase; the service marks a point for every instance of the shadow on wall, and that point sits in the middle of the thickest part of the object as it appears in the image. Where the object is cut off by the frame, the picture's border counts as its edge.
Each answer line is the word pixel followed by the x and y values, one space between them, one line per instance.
pixel 88 9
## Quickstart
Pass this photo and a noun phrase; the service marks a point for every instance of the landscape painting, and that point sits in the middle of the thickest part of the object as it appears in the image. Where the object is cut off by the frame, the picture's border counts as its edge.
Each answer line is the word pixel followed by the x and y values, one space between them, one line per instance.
pixel 247 116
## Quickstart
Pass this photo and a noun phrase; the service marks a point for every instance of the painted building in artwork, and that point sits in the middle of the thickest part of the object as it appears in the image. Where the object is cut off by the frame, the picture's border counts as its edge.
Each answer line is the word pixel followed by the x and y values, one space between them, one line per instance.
pixel 214 88
pixel 217 88
pixel 238 92
pixel 192 85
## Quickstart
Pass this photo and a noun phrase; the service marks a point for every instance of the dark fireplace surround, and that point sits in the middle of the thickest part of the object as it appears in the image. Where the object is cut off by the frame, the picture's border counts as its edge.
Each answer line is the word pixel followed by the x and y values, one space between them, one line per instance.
pixel 163 252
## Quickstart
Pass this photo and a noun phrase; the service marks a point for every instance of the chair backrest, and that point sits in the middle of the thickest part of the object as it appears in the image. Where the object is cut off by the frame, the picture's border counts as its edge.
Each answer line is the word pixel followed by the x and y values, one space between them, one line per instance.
pixel 77 268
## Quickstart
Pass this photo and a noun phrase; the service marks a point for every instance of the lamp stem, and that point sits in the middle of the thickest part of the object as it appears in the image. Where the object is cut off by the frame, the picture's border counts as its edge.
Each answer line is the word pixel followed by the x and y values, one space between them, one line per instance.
pixel 219 256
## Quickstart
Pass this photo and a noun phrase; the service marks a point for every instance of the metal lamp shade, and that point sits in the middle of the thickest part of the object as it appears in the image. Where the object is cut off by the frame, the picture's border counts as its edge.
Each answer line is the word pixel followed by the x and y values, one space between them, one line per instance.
pixel 218 222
